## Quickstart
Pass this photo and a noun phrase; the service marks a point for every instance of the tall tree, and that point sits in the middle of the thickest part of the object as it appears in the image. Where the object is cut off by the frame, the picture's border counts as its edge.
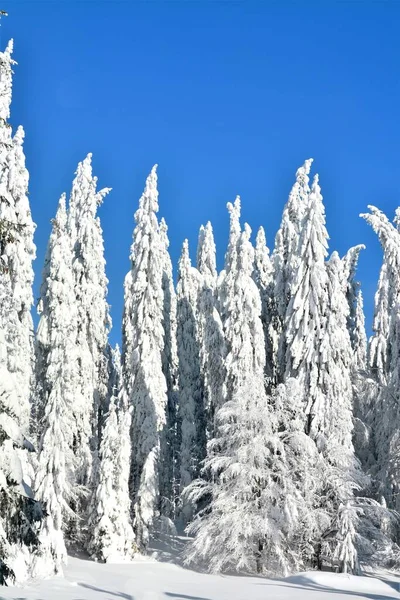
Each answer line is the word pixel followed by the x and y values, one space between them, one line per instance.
pixel 111 534
pixel 286 261
pixel 17 249
pixel 191 415
pixel 169 477
pixel 384 360
pixel 142 359
pixel 350 262
pixel 319 356
pixel 212 341
pixel 57 377
pixel 90 288
pixel 251 519
pixel 263 276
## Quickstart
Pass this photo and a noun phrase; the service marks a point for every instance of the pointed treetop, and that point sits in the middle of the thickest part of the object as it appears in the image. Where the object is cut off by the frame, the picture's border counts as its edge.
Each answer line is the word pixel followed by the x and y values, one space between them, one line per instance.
pixel 234 211
pixel 303 172
pixel 315 230
pixel 84 197
pixel 184 260
pixel 245 251
pixel 261 241
pixel 234 233
pixel 163 229
pixel 262 262
pixel 19 136
pixel 206 255
pixel 149 200
pixel 60 220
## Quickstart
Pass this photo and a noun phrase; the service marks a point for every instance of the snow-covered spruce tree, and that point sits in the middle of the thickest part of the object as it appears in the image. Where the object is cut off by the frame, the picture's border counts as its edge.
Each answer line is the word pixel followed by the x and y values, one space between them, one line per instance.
pixel 212 342
pixel 169 476
pixel 206 261
pixel 17 249
pixel 227 276
pixel 90 288
pixel 346 551
pixel 350 262
pixel 384 360
pixel 111 533
pixel 263 274
pixel 377 349
pixel 305 315
pixel 285 261
pixel 236 283
pixel 254 508
pixel 191 413
pixel 359 342
pixel 142 358
pixel 56 395
pixel 319 355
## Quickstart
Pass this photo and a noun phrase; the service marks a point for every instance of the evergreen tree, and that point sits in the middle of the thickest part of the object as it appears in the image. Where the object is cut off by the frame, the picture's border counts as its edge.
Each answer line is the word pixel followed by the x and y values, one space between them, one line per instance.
pixel 191 415
pixel 384 361
pixel 346 551
pixel 263 276
pixel 57 377
pixel 286 262
pixel 169 477
pixel 378 343
pixel 142 359
pixel 90 287
pixel 17 248
pixel 350 262
pixel 206 256
pixel 307 308
pixel 212 342
pixel 112 538
pixel 239 527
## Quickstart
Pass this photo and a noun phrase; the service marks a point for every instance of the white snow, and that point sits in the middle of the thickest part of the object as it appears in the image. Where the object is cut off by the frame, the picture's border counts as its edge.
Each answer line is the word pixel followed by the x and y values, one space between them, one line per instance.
pixel 147 579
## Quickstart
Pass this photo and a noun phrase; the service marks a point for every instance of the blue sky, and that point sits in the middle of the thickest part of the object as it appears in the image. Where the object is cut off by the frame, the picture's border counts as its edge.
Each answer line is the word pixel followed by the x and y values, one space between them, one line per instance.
pixel 227 97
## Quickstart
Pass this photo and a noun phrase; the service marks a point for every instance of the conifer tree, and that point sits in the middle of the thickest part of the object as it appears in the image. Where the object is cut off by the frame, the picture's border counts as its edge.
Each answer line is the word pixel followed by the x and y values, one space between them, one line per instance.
pixel 378 344
pixel 212 342
pixel 263 276
pixel 286 261
pixel 384 361
pixel 169 477
pixel 90 288
pixel 56 392
pixel 191 415
pixel 111 535
pixel 17 248
pixel 350 262
pixel 254 511
pixel 143 346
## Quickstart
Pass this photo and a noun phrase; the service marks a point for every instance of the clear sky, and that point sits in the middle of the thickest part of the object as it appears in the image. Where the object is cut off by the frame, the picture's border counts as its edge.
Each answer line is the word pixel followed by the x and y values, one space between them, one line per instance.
pixel 227 97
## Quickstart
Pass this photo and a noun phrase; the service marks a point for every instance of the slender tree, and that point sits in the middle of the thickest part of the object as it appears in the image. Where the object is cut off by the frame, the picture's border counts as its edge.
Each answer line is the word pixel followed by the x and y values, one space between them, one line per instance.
pixel 57 376
pixel 191 415
pixel 143 345
pixel 286 262
pixel 90 288
pixel 17 248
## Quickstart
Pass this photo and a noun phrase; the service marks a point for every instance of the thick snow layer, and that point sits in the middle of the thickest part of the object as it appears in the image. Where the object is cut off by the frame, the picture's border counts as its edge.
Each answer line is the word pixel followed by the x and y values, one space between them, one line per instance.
pixel 150 580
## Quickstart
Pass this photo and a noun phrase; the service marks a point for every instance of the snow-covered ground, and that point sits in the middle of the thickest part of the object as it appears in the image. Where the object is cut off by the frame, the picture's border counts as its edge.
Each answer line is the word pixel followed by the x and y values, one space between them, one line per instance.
pixel 151 580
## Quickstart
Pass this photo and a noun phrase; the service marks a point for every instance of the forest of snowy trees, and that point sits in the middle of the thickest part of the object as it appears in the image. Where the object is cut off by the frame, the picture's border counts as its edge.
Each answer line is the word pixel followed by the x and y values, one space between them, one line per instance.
pixel 246 409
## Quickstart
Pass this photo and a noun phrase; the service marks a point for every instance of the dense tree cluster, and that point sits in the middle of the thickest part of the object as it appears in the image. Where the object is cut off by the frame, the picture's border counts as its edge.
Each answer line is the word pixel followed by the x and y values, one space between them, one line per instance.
pixel 246 407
